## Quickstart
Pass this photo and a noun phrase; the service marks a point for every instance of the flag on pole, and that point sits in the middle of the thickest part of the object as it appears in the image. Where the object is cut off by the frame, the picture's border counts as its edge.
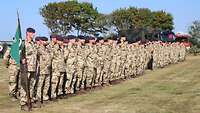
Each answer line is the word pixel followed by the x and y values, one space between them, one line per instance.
pixel 16 45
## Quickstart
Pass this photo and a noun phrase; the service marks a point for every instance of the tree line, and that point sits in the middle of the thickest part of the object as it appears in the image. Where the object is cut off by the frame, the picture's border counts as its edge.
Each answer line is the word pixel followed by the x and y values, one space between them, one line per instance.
pixel 83 18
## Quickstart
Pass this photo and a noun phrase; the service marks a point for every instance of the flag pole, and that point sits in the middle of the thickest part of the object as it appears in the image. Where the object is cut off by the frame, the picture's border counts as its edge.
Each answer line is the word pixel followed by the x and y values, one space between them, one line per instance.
pixel 23 69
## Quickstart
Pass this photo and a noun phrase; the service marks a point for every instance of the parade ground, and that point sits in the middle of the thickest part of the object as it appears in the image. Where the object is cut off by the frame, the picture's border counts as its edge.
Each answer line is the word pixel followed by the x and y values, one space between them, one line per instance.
pixel 173 89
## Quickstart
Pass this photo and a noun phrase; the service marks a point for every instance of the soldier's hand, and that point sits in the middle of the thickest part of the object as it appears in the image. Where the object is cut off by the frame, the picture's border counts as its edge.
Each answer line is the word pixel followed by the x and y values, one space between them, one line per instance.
pixel 24 61
pixel 4 62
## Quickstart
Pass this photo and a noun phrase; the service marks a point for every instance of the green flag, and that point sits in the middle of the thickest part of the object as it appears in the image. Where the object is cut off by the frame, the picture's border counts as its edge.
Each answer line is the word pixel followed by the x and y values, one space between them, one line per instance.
pixel 15 48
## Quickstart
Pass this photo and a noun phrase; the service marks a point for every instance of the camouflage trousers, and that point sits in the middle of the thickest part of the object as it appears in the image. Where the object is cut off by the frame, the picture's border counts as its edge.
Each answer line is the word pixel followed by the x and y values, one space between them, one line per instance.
pixel 122 70
pixel 106 72
pixel 57 81
pixel 99 75
pixel 27 84
pixel 43 87
pixel 89 76
pixel 13 80
pixel 113 71
pixel 117 70
pixel 127 69
pixel 71 78
pixel 79 76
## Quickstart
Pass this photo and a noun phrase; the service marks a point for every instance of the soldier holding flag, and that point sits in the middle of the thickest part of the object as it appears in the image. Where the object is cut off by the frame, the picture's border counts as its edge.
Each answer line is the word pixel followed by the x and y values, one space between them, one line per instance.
pixel 17 59
pixel 29 61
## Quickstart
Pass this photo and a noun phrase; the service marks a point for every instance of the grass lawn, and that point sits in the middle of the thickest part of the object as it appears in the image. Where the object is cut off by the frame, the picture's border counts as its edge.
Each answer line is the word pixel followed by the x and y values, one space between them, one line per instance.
pixel 174 89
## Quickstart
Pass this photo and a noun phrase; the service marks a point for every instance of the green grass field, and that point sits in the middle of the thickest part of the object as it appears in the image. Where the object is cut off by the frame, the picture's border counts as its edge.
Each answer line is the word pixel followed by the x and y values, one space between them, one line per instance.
pixel 174 89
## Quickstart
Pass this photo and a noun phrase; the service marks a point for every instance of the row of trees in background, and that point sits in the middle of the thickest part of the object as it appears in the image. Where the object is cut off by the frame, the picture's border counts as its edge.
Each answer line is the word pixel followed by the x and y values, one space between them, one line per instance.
pixel 83 18
pixel 194 31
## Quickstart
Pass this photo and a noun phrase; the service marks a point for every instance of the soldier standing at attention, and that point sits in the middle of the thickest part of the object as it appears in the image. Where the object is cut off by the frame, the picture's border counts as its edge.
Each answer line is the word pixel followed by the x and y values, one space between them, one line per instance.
pixel 61 66
pixel 58 68
pixel 71 65
pixel 54 59
pixel 123 51
pixel 13 71
pixel 105 56
pixel 29 59
pixel 80 62
pixel 44 65
pixel 108 59
pixel 90 66
pixel 113 67
pixel 100 61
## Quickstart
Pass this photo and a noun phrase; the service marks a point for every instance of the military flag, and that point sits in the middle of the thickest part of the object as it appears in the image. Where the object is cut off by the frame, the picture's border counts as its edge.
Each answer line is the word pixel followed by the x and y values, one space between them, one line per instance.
pixel 16 45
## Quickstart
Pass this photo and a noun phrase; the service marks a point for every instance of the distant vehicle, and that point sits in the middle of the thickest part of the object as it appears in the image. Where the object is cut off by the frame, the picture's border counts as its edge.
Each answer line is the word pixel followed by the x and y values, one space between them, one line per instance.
pixel 9 43
pixel 183 38
pixel 167 36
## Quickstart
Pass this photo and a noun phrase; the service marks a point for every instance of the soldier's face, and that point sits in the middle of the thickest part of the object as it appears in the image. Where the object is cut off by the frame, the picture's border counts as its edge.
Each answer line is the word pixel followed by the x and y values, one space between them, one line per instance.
pixel 110 41
pixel 98 43
pixel 37 42
pixel 123 39
pixel 30 35
pixel 42 42
pixel 101 41
pixel 59 42
pixel 82 41
pixel 72 41
pixel 53 40
pixel 65 44
pixel 92 41
pixel 79 43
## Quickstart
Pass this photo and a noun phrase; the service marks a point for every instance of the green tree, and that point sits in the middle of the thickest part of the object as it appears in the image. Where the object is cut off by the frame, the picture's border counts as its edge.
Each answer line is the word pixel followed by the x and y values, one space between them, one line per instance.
pixel 101 25
pixel 55 19
pixel 132 22
pixel 194 31
pixel 121 19
pixel 69 16
pixel 162 20
pixel 140 18
pixel 84 19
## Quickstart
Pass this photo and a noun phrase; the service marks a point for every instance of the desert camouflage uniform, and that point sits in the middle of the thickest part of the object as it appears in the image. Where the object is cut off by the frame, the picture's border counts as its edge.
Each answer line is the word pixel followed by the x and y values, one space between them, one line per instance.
pixel 123 58
pixel 13 71
pixel 71 64
pixel 118 63
pixel 81 57
pixel 100 64
pixel 55 77
pixel 90 65
pixel 30 79
pixel 107 64
pixel 44 76
pixel 113 67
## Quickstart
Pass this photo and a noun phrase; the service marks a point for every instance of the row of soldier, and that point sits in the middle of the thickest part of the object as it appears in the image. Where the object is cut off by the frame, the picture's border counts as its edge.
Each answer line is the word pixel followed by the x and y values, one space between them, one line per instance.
pixel 69 64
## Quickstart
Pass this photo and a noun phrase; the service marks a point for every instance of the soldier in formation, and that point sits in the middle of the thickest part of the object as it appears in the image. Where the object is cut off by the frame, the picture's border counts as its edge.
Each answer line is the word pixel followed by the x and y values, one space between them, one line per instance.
pixel 69 64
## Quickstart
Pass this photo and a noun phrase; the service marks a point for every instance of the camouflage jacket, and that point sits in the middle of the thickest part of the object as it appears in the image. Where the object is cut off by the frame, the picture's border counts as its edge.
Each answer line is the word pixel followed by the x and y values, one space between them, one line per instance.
pixel 57 55
pixel 44 60
pixel 31 55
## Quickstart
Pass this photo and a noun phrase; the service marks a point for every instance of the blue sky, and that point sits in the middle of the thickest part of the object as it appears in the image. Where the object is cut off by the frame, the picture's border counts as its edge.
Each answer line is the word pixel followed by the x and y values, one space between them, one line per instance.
pixel 183 11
